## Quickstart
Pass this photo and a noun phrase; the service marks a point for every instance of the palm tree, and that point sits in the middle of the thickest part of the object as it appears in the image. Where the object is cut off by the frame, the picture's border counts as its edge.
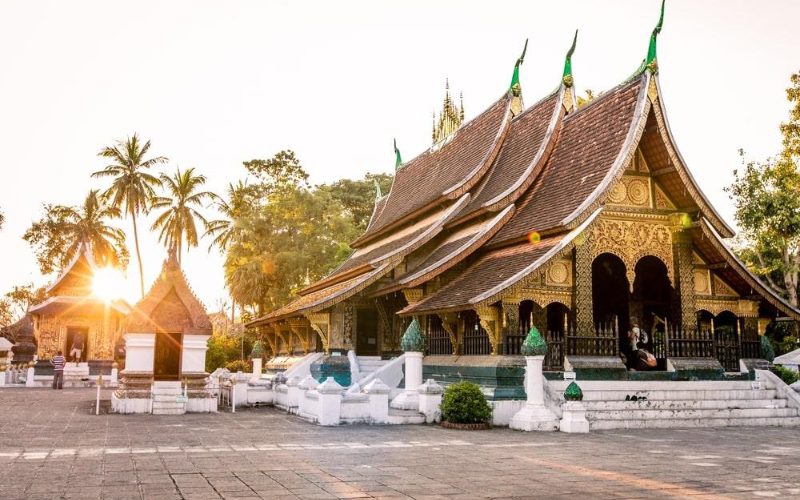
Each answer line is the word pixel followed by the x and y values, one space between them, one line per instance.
pixel 177 222
pixel 87 224
pixel 132 188
pixel 224 230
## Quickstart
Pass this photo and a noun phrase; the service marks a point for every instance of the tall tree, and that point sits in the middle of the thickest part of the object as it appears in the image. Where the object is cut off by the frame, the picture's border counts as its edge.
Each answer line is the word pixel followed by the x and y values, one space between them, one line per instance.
pixel 132 187
pixel 58 235
pixel 358 196
pixel 16 302
pixel 235 207
pixel 766 195
pixel 177 223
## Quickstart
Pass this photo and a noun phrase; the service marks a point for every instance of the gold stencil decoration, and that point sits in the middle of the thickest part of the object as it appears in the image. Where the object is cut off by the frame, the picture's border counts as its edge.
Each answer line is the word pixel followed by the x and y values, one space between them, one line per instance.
pixel 638 192
pixel 558 273
pixel 722 288
pixel 618 193
pixel 630 241
pixel 702 285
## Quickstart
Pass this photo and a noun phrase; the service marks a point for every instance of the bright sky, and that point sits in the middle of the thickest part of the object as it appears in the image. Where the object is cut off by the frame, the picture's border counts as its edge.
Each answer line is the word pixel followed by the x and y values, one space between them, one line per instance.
pixel 216 83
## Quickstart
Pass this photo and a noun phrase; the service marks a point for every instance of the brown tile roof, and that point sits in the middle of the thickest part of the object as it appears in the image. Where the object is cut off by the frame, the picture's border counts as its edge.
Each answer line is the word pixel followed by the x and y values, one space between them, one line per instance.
pixel 588 145
pixel 490 270
pixel 523 143
pixel 169 305
pixel 444 172
pixel 320 299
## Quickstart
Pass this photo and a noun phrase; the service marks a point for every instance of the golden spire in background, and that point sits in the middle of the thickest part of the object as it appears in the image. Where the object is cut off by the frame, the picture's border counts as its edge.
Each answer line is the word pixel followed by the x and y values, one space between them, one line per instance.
pixel 450 118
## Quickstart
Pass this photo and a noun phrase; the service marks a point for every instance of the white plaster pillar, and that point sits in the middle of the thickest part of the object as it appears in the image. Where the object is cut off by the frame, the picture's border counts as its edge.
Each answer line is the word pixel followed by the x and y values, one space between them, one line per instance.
pixel 194 353
pixel 534 416
pixel 293 392
pixel 139 352
pixel 409 398
pixel 257 364
pixel 29 382
pixel 330 402
pixel 430 400
pixel 378 393
pixel 308 383
pixel 573 418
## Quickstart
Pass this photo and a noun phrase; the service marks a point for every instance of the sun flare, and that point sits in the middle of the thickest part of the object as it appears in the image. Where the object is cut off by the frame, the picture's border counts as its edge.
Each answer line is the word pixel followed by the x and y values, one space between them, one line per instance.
pixel 108 283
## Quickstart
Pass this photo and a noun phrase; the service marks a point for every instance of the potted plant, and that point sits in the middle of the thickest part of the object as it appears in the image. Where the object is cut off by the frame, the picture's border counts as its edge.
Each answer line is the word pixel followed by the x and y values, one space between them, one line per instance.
pixel 465 407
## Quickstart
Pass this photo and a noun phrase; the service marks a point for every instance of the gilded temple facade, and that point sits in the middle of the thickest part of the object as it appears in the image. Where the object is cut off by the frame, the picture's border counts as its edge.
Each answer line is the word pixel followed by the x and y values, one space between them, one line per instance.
pixel 71 310
pixel 579 220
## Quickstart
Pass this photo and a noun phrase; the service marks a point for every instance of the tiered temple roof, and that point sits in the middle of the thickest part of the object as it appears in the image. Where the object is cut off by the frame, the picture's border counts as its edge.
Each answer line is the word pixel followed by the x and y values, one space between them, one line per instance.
pixel 512 189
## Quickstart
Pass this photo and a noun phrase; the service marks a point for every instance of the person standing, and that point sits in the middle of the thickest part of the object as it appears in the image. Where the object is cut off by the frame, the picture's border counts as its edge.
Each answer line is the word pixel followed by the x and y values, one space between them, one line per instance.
pixel 58 363
pixel 77 347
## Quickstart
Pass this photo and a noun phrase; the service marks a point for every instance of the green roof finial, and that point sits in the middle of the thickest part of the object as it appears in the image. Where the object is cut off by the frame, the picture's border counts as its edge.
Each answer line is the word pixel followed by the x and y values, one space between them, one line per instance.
pixel 534 344
pixel 398 160
pixel 378 194
pixel 514 87
pixel 413 339
pixel 567 77
pixel 651 61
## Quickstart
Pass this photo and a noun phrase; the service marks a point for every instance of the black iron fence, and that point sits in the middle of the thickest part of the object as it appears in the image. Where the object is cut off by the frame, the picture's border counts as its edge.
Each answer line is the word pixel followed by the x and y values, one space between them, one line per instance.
pixel 476 340
pixel 437 341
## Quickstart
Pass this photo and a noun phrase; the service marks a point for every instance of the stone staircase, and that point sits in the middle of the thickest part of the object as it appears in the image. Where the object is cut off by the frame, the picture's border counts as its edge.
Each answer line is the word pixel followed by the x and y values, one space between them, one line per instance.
pixel 664 404
pixel 369 364
pixel 167 398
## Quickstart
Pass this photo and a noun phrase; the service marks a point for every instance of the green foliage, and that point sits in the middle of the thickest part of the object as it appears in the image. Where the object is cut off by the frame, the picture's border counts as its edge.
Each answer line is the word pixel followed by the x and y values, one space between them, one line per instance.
pixel 279 233
pixel 56 237
pixel 358 196
pixel 221 350
pixel 178 220
pixel 788 376
pixel 768 208
pixel 767 352
pixel 464 403
pixel 239 366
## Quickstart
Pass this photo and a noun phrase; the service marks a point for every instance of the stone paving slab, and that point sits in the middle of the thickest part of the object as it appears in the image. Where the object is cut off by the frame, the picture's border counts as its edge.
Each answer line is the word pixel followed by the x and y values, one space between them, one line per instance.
pixel 51 446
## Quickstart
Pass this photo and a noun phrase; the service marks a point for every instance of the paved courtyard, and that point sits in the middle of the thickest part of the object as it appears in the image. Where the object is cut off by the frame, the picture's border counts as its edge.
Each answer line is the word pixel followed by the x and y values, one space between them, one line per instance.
pixel 52 446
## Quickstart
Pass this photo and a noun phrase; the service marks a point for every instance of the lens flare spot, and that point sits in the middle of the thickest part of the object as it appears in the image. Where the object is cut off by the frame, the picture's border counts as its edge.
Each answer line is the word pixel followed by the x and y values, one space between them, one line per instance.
pixel 108 283
pixel 534 237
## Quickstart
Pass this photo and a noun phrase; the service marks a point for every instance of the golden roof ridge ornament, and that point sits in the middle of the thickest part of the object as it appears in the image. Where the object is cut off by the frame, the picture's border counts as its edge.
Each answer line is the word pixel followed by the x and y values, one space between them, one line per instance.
pixel 567 80
pixel 515 88
pixel 450 118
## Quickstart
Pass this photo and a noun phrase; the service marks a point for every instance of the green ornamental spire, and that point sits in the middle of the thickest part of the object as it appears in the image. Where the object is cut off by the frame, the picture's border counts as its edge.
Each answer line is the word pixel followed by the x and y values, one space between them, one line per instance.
pixel 378 194
pixel 567 77
pixel 651 62
pixel 398 160
pixel 534 344
pixel 573 392
pixel 514 87
pixel 257 351
pixel 413 339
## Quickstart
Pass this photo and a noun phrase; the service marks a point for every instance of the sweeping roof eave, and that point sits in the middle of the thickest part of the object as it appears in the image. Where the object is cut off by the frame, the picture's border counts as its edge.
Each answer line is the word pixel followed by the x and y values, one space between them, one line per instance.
pixel 448 299
pixel 478 139
pixel 755 283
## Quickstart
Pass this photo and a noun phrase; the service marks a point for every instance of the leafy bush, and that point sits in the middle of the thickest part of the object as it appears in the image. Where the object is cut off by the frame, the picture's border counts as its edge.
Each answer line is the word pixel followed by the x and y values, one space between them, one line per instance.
pixel 239 366
pixel 463 403
pixel 788 376
pixel 767 352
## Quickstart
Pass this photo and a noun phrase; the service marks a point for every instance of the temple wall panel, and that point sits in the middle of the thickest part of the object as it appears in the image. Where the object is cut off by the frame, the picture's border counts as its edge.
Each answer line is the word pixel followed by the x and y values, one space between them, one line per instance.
pixel 51 334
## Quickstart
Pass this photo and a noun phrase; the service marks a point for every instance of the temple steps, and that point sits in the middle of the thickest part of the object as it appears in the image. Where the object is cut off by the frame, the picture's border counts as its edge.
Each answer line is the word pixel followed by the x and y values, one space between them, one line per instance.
pixel 670 404
pixel 399 417
pixel 165 398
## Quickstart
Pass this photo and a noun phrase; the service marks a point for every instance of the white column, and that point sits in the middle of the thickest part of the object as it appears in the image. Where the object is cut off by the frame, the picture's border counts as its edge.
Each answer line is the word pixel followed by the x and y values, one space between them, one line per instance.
pixel 409 398
pixel 139 352
pixel 430 400
pixel 194 353
pixel 256 369
pixel 378 401
pixel 534 416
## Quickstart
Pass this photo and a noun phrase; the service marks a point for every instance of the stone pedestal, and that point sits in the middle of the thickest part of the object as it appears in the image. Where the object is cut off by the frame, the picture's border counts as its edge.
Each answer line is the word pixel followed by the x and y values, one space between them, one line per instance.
pixel 378 393
pixel 430 400
pixel 330 402
pixel 257 362
pixel 535 416
pixel 573 418
pixel 409 398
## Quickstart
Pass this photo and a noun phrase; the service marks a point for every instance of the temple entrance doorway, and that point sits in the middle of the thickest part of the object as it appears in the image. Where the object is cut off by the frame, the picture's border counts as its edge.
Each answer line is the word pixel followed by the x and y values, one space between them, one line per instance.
pixel 726 340
pixel 167 359
pixel 610 296
pixel 651 305
pixel 77 337
pixel 367 332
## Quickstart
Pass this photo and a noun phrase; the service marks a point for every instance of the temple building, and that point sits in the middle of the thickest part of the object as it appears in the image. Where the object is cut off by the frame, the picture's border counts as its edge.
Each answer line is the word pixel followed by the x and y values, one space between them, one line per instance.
pixel 72 313
pixel 166 338
pixel 582 220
